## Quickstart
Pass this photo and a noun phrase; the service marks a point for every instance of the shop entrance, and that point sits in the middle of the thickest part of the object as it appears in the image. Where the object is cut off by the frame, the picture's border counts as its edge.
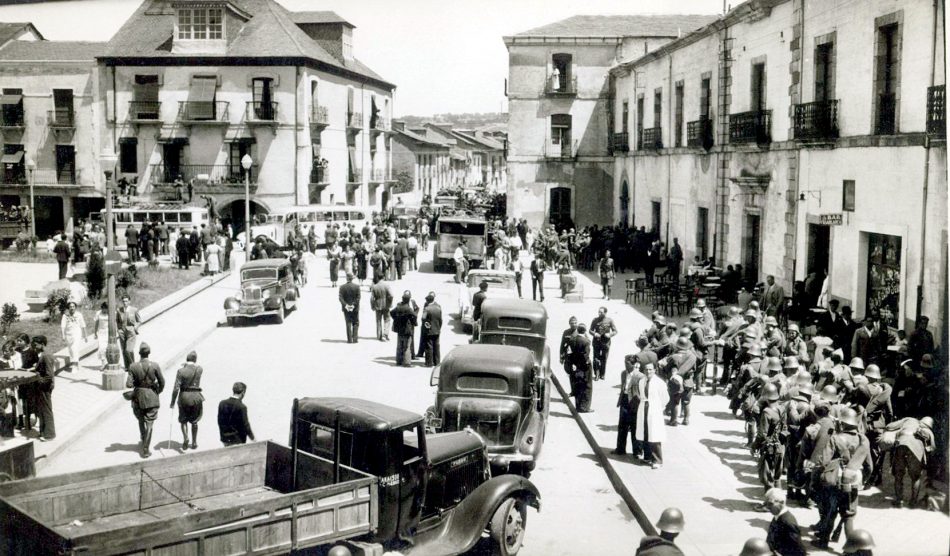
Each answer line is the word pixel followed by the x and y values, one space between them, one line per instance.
pixel 884 277
pixel 819 244
pixel 750 247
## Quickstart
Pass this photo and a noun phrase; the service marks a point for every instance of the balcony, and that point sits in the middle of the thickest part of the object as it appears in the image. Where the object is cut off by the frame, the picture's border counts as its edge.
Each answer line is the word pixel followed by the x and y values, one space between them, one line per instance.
pixel 141 111
pixel 261 113
pixel 699 134
pixel 652 139
pixel 12 118
pixel 886 123
pixel 620 142
pixel 816 121
pixel 319 116
pixel 61 119
pixel 751 127
pixel 562 87
pixel 937 111
pixel 382 124
pixel 319 175
pixel 354 177
pixel 209 178
pixel 203 112
pixel 354 121
pixel 380 175
pixel 563 150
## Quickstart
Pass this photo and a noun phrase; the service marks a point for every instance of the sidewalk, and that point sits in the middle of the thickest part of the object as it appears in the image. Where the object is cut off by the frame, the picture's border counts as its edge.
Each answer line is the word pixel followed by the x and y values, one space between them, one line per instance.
pixel 707 471
pixel 78 397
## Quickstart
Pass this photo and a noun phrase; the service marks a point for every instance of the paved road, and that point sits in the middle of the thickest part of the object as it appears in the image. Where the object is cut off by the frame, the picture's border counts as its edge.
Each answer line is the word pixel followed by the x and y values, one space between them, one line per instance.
pixel 308 356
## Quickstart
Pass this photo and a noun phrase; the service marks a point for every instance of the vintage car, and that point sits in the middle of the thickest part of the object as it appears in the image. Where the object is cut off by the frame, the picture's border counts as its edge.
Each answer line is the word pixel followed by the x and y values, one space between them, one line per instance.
pixel 501 393
pixel 501 283
pixel 516 322
pixel 267 288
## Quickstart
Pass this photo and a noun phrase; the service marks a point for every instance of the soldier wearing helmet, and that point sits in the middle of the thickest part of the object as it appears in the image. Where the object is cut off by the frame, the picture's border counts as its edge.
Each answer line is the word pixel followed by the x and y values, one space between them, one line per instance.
pixel 681 367
pixel 774 338
pixel 770 438
pixel 730 347
pixel 795 345
pixel 756 547
pixel 670 525
pixel 914 442
pixel 708 320
pixel 798 416
pixel 874 399
pixel 602 329
pixel 859 543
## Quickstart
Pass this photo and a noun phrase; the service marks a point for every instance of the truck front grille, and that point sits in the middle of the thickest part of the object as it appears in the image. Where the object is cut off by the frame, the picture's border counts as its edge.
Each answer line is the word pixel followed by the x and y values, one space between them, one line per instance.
pixel 461 480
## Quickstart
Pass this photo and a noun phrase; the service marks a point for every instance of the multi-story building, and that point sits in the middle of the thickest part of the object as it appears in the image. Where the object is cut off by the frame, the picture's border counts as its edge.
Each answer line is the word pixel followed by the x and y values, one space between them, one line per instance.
pixel 559 108
pixel 47 115
pixel 421 165
pixel 798 136
pixel 186 89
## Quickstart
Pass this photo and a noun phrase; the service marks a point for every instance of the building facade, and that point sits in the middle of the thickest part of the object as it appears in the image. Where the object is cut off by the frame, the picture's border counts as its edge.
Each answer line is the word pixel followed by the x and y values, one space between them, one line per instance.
pixel 792 137
pixel 559 109
pixel 421 166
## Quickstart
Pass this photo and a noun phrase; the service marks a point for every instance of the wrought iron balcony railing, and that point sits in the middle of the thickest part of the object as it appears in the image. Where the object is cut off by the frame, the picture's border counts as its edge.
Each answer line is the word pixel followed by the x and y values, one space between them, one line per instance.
pixel 261 111
pixel 652 139
pixel 751 127
pixel 563 86
pixel 620 142
pixel 208 112
pixel 937 111
pixel 816 120
pixel 699 134
pixel 61 118
pixel 886 123
pixel 354 120
pixel 141 110
pixel 319 115
pixel 207 174
pixel 319 174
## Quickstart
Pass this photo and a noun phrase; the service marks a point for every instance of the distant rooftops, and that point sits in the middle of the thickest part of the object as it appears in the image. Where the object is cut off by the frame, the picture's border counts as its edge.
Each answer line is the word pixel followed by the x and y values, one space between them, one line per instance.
pixel 319 17
pixel 52 51
pixel 619 26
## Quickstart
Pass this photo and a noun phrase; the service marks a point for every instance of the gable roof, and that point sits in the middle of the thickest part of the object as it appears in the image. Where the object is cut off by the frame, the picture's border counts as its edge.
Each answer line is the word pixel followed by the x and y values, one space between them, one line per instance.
pixel 486 141
pixel 670 25
pixel 271 33
pixel 10 31
pixel 417 138
pixel 52 51
pixel 319 17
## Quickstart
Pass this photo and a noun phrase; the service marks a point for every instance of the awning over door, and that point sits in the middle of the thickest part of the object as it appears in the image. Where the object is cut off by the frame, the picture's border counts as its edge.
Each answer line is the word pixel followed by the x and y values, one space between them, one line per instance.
pixel 12 158
pixel 7 100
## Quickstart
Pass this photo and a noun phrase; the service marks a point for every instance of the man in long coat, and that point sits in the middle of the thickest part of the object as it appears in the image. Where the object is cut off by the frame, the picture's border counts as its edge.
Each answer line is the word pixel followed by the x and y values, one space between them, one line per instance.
pixel 580 352
pixel 349 296
pixel 651 429
pixel 404 323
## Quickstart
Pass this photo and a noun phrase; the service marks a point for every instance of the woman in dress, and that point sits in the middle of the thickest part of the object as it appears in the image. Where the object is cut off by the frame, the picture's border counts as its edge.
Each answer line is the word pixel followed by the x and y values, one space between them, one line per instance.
pixel 212 253
pixel 101 332
pixel 333 253
pixel 361 260
pixel 348 256
pixel 73 328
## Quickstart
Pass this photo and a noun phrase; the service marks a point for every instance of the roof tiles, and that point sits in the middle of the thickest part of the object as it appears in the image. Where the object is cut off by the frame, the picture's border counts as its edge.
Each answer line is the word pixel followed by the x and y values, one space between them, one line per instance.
pixel 621 26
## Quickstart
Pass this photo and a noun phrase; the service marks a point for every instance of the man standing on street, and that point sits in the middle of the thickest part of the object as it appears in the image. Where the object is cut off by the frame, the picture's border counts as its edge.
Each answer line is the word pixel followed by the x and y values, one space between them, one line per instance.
pixel 233 424
pixel 401 255
pixel 650 429
pixel 477 301
pixel 381 301
pixel 602 329
pixel 146 378
pixel 128 325
pixel 404 323
pixel 629 378
pixel 190 400
pixel 459 258
pixel 61 250
pixel 565 351
pixel 537 277
pixel 675 259
pixel 132 243
pixel 183 250
pixel 432 330
pixel 42 391
pixel 583 380
pixel 773 298
pixel 350 303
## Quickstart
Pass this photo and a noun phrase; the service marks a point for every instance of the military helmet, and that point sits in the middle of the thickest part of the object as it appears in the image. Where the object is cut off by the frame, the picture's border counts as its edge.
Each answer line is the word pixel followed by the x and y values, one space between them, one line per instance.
pixel 848 417
pixel 790 362
pixel 754 349
pixel 794 327
pixel 751 313
pixel 927 422
pixel 771 321
pixel 733 311
pixel 770 392
pixel 829 393
pixel 683 343
pixel 671 521
pixel 695 313
pixel 700 303
pixel 339 550
pixel 660 320
pixel 859 539
pixel 685 331
pixel 805 392
pixel 775 364
pixel 857 363
pixel 756 547
pixel 872 371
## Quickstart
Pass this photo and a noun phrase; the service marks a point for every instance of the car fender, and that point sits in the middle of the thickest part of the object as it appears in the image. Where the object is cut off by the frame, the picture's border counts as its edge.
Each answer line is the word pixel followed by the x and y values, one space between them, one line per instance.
pixel 231 304
pixel 462 528
pixel 272 303
pixel 291 296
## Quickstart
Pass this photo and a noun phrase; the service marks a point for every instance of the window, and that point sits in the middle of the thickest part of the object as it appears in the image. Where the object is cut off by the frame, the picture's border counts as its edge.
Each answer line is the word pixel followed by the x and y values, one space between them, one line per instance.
pixel 63 105
pixel 200 24
pixel 656 207
pixel 658 108
pixel 640 122
pixel 237 151
pixel 561 72
pixel 886 78
pixel 263 98
pixel 201 98
pixel 757 102
pixel 705 98
pixel 626 116
pixel 561 133
pixel 12 103
pixel 12 161
pixel 824 72
pixel 678 123
pixel 847 195
pixel 702 232
pixel 128 156
pixel 65 164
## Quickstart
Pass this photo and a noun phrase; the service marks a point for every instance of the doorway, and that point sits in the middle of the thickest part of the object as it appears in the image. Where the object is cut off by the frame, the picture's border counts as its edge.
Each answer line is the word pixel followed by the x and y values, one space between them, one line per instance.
pixel 819 244
pixel 656 208
pixel 49 216
pixel 751 256
pixel 559 211
pixel 171 161
pixel 884 277
pixel 624 205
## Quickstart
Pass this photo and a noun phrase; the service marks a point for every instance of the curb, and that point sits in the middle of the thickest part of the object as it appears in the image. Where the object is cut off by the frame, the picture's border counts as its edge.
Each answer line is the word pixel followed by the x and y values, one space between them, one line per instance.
pixel 642 520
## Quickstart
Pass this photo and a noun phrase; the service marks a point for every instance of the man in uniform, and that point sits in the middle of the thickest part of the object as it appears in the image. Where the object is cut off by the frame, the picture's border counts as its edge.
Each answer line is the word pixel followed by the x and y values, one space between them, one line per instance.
pixel 798 416
pixel 404 324
pixel 432 330
pixel 381 300
pixel 565 351
pixel 146 378
pixel 233 425
pixel 795 345
pixel 580 350
pixel 770 440
pixel 670 525
pixel 874 398
pixel 602 329
pixel 682 371
pixel 477 301
pixel 187 391
pixel 349 296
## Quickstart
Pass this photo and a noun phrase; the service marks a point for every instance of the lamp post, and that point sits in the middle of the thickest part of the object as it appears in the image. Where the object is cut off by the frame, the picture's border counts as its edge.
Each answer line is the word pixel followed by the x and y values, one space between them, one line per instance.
pixel 246 163
pixel 31 168
pixel 113 376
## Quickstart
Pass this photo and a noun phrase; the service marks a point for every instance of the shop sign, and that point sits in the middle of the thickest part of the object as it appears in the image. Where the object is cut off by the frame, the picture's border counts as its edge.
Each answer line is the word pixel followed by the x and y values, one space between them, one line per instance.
pixel 832 219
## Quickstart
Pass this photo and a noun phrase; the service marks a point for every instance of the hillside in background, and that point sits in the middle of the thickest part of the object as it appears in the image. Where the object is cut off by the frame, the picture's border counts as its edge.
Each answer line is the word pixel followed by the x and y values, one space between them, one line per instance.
pixel 464 121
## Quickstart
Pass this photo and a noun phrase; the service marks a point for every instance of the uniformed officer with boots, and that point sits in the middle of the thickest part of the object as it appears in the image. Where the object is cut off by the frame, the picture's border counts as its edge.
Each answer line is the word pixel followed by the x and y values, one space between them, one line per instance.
pixel 145 377
pixel 565 351
pixel 683 365
pixel 579 346
pixel 770 438
pixel 798 416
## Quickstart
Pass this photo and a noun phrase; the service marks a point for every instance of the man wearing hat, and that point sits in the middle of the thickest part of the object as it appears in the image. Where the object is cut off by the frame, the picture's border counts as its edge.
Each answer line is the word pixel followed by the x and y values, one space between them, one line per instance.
pixel 729 340
pixel 670 525
pixel 659 321
pixel 404 324
pixel 190 401
pixel 858 543
pixel 145 377
pixel 432 330
pixel 682 371
pixel 41 393
pixel 751 326
pixel 602 329
pixel 579 354
pixel 707 319
pixel 349 296
pixel 798 416
pixel 774 338
pixel 770 438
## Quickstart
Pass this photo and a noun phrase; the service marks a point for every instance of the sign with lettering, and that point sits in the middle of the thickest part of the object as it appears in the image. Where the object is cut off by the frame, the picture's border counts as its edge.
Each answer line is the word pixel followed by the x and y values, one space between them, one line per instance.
pixel 833 219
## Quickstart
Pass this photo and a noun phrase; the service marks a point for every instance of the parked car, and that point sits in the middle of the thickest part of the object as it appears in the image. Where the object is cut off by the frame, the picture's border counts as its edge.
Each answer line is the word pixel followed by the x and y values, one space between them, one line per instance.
pixel 499 392
pixel 516 322
pixel 501 283
pixel 267 289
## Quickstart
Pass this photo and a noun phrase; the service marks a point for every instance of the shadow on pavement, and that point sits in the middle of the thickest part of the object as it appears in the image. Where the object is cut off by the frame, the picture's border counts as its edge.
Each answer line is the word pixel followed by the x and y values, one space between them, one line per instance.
pixel 607 428
pixel 559 414
pixel 731 505
pixel 720 415
pixel 740 434
pixel 119 447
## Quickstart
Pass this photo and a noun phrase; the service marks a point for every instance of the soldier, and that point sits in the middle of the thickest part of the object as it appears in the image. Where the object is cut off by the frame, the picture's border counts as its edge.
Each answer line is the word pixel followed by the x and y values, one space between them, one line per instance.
pixel 859 543
pixel 770 439
pixel 729 341
pixel 602 329
pixel 191 401
pixel 146 378
pixel 774 339
pixel 746 400
pixel 682 366
pixel 756 547
pixel 798 416
pixel 914 441
pixel 670 525
pixel 565 351
pixel 579 346
pixel 795 345
pixel 659 321
pixel 874 399
pixel 707 319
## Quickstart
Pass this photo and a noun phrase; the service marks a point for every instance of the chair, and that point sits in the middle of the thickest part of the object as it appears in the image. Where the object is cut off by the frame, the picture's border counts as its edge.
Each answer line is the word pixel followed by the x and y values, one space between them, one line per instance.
pixel 630 291
pixel 641 290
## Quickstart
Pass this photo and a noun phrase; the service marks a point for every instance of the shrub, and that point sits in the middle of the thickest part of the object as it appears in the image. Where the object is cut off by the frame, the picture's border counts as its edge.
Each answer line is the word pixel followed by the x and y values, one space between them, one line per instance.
pixel 56 303
pixel 10 315
pixel 126 278
pixel 95 274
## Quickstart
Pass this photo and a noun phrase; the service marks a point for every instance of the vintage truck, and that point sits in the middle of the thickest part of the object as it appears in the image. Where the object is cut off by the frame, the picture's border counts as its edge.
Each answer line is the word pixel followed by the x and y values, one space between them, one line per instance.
pixel 385 484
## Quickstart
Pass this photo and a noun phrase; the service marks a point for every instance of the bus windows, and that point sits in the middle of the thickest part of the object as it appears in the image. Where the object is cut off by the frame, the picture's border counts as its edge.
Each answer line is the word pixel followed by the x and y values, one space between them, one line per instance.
pixel 308 217
pixel 184 216
pixel 139 216
pixel 170 217
pixel 323 216
pixel 357 216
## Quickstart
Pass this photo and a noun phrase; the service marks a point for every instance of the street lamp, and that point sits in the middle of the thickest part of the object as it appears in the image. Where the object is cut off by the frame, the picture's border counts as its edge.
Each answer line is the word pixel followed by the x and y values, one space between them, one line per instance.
pixel 113 376
pixel 31 168
pixel 246 163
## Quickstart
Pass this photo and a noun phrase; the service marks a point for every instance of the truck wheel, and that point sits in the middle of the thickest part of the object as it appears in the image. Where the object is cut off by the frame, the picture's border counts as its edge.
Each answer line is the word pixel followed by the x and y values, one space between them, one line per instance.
pixel 281 313
pixel 232 322
pixel 507 527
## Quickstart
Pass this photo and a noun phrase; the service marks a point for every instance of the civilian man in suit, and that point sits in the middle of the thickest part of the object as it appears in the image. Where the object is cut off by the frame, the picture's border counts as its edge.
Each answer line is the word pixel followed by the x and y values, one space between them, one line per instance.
pixel 350 303
pixel 404 323
pixel 845 332
pixel 862 343
pixel 537 277
pixel 42 391
pixel 132 243
pixel 784 538
pixel 565 351
pixel 432 330
pixel 183 250
pixel 61 250
pixel 128 325
pixel 381 301
pixel 232 417
pixel 629 378
pixel 773 298
pixel 580 352
pixel 401 254
pixel 146 378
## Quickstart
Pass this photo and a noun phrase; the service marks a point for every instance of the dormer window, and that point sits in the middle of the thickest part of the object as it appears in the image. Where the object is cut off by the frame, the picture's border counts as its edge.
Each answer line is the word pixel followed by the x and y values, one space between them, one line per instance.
pixel 200 23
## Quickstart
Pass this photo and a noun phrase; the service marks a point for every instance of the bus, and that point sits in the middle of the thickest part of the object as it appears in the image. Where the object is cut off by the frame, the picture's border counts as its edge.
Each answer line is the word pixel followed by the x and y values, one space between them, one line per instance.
pixel 174 216
pixel 282 221
pixel 451 230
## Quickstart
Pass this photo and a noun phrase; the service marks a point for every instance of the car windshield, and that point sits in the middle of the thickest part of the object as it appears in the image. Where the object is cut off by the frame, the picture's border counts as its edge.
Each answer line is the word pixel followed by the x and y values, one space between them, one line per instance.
pixel 494 281
pixel 259 274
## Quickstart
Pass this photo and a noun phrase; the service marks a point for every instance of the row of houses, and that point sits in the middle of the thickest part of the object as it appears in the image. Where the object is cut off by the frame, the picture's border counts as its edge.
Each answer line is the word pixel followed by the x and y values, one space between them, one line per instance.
pixel 789 136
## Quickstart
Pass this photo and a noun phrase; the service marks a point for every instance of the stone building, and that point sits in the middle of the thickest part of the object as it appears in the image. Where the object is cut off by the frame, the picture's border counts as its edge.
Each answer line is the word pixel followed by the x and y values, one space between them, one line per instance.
pixel 424 163
pixel 559 109
pixel 798 136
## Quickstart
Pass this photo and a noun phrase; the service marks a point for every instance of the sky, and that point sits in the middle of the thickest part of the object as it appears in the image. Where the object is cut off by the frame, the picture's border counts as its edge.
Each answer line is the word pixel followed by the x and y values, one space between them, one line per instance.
pixel 443 55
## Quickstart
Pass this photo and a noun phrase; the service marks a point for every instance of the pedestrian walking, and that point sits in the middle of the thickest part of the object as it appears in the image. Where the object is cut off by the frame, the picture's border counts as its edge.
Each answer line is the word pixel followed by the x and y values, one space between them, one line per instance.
pixel 670 525
pixel 213 258
pixel 61 250
pixel 784 537
pixel 146 380
pixel 432 330
pixel 583 378
pixel 349 296
pixel 128 326
pixel 381 301
pixel 606 271
pixel 517 266
pixel 412 245
pixel 538 266
pixel 334 253
pixel 602 329
pixel 42 395
pixel 183 250
pixel 233 424
pixel 404 323
pixel 626 421
pixel 101 333
pixel 132 243
pixel 73 328
pixel 650 429
pixel 565 351
pixel 458 257
pixel 187 392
